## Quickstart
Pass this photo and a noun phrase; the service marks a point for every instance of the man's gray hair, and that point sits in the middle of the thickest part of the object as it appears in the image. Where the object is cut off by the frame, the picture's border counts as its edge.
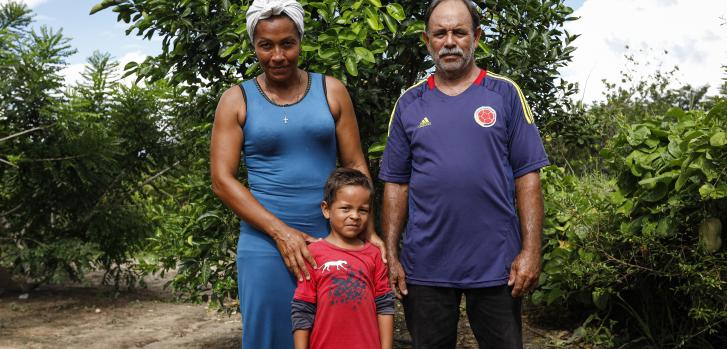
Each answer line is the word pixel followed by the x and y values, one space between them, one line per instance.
pixel 471 7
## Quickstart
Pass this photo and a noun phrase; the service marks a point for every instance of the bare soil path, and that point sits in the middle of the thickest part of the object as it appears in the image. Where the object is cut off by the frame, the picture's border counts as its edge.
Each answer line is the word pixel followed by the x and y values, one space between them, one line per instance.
pixel 92 316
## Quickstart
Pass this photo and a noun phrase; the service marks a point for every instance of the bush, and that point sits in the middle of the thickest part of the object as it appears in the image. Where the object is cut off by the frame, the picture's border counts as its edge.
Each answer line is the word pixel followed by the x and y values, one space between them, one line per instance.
pixel 73 159
pixel 196 235
pixel 635 254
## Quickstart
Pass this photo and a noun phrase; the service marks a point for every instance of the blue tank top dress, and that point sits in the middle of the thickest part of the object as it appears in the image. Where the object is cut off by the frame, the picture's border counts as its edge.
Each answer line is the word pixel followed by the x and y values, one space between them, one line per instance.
pixel 289 151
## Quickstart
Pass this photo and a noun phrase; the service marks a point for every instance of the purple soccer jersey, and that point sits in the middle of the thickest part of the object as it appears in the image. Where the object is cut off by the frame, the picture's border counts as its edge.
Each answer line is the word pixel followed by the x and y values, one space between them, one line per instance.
pixel 460 156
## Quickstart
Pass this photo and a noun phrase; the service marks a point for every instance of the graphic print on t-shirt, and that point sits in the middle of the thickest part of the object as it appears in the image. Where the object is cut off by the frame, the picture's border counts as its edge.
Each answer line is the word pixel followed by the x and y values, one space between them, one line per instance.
pixel 338 264
pixel 348 290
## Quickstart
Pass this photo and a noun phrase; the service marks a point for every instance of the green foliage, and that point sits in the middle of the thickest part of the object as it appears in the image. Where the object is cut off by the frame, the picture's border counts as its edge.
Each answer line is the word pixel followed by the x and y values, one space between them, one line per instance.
pixel 374 47
pixel 72 159
pixel 525 40
pixel 196 235
pixel 576 211
pixel 630 248
pixel 586 130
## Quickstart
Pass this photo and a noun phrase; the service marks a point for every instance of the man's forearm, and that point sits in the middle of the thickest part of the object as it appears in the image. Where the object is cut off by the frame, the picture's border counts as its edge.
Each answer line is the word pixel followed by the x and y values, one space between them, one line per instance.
pixel 393 215
pixel 530 210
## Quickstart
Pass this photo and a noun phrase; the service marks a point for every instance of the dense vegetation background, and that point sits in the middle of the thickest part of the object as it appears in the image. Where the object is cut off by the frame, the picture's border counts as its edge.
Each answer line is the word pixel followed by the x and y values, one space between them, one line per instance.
pixel 111 176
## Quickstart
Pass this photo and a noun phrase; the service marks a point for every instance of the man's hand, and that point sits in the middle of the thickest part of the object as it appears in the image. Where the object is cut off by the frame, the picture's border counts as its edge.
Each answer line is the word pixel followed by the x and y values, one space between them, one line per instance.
pixel 293 247
pixel 525 269
pixel 524 273
pixel 397 277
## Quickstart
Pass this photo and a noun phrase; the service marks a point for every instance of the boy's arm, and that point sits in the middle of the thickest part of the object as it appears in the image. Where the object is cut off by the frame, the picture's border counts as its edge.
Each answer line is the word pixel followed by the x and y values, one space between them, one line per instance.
pixel 386 331
pixel 384 305
pixel 303 310
pixel 300 339
pixel 302 314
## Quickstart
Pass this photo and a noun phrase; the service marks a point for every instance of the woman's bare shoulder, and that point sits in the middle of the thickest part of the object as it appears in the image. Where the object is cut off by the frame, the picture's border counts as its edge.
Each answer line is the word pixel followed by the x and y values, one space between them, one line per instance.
pixel 232 104
pixel 334 86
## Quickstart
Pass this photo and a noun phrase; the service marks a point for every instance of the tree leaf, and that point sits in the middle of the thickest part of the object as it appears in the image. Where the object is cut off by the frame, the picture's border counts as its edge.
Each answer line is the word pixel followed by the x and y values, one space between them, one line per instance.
pixel 346 35
pixel 396 11
pixel 351 66
pixel 329 53
pixel 373 20
pixel 104 5
pixel 376 3
pixel 229 51
pixel 718 139
pixel 390 23
pixel 638 135
pixel 364 54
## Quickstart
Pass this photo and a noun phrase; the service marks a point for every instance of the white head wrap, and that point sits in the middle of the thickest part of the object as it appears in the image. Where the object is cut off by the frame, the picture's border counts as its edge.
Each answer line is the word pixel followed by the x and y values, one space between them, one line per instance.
pixel 262 9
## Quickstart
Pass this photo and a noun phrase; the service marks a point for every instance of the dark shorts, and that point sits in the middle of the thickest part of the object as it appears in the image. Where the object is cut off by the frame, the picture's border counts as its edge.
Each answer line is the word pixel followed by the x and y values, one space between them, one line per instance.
pixel 432 314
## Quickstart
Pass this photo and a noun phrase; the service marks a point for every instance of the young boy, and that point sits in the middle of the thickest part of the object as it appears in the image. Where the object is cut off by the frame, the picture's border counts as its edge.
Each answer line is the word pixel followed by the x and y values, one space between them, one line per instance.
pixel 347 303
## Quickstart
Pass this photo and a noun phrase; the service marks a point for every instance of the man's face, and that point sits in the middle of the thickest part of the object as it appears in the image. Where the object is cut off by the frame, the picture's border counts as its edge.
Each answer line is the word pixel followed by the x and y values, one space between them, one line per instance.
pixel 450 39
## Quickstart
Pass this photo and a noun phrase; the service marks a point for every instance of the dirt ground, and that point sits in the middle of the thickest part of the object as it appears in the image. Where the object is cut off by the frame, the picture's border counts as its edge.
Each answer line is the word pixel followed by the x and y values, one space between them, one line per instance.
pixel 93 316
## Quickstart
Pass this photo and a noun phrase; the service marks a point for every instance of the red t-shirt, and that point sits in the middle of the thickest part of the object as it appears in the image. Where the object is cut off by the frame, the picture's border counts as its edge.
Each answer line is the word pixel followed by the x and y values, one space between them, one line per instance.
pixel 344 289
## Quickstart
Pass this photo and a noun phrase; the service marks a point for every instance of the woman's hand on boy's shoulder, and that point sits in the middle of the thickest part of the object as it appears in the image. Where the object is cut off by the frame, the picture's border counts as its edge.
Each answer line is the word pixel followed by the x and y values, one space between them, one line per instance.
pixel 375 240
pixel 293 247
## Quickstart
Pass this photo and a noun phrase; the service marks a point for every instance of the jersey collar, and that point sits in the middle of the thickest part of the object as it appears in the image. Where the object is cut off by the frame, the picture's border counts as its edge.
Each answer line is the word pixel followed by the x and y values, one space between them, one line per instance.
pixel 478 81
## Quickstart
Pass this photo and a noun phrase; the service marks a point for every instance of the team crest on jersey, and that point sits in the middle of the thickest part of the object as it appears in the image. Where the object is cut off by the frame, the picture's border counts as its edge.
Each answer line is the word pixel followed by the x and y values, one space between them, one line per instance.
pixel 485 116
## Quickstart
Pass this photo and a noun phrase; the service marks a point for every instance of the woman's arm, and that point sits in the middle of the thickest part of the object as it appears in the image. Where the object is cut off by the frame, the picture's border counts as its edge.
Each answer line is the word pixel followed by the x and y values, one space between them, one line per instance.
pixel 226 146
pixel 350 154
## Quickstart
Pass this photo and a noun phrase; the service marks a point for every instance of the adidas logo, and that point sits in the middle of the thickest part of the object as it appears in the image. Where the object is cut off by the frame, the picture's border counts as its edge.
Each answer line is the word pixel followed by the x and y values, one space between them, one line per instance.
pixel 424 122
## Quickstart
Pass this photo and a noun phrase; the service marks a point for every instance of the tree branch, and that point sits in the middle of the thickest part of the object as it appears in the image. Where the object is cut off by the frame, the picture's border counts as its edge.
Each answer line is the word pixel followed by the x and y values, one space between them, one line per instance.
pixel 8 163
pixel 26 131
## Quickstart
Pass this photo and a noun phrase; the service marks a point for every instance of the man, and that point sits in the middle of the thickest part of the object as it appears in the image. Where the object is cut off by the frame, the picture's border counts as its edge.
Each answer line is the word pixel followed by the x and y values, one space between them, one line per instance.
pixel 462 161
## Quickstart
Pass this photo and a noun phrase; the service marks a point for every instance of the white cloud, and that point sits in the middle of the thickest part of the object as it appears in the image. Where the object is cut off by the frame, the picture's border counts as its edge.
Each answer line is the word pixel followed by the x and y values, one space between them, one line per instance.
pixel 134 56
pixel 30 3
pixel 72 73
pixel 44 18
pixel 692 32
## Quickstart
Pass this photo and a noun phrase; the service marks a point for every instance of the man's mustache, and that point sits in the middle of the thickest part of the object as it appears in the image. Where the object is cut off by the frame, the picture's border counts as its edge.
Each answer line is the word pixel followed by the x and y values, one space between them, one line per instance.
pixel 456 51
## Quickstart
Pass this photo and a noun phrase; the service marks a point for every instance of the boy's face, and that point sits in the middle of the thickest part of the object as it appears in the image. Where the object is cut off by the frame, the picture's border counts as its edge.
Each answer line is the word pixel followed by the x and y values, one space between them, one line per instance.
pixel 349 212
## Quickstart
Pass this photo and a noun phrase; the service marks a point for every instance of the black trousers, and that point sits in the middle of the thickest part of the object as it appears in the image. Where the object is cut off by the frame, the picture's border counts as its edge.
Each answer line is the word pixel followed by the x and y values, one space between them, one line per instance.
pixel 432 314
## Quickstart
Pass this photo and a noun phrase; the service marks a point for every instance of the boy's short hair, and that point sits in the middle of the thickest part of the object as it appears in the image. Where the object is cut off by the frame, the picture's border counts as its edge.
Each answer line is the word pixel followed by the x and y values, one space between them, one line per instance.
pixel 342 177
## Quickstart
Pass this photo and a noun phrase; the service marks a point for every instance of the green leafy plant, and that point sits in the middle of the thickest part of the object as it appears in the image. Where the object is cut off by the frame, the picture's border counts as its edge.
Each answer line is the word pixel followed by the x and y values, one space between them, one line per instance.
pixel 642 249
pixel 72 159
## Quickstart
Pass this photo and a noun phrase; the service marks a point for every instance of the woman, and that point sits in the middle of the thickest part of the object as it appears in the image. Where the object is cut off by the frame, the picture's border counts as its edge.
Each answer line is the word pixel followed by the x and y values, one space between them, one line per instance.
pixel 290 124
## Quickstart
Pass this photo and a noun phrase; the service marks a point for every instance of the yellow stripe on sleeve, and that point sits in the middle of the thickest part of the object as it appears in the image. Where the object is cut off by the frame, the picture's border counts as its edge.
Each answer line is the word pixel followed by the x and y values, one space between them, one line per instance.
pixel 391 117
pixel 524 103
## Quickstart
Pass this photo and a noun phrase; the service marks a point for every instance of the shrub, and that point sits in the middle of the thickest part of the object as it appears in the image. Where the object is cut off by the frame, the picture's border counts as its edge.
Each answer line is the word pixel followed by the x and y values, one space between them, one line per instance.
pixel 636 251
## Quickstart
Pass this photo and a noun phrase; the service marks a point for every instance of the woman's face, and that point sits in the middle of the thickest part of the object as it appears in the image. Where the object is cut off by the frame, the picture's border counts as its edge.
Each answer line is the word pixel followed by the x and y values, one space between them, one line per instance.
pixel 277 46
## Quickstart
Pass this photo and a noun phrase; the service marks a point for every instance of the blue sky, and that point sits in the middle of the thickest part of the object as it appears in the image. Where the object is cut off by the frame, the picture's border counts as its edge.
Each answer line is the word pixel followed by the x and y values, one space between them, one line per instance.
pixel 90 32
pixel 693 32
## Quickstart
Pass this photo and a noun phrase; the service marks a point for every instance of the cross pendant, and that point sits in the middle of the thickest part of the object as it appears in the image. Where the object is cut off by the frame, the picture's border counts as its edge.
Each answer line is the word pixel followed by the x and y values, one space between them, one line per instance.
pixel 285 118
